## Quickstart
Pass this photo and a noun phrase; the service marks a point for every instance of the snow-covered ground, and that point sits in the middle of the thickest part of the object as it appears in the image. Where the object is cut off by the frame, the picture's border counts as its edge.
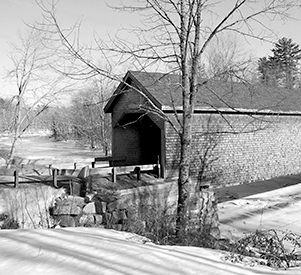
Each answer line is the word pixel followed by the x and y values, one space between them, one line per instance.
pixel 90 251
pixel 73 251
pixel 278 209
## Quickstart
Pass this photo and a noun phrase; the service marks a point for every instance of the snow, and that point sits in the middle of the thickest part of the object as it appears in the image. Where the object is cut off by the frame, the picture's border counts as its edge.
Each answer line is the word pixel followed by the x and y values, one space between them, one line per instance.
pixel 100 251
pixel 278 209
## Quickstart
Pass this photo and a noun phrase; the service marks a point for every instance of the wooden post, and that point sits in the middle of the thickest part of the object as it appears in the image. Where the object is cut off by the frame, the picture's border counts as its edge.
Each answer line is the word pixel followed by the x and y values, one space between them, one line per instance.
pixel 54 176
pixel 138 172
pixel 71 187
pixel 159 171
pixel 50 169
pixel 16 178
pixel 113 175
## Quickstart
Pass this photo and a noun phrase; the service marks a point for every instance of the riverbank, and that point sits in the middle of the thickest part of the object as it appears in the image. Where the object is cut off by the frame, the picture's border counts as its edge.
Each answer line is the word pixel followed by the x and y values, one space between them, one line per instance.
pixel 40 150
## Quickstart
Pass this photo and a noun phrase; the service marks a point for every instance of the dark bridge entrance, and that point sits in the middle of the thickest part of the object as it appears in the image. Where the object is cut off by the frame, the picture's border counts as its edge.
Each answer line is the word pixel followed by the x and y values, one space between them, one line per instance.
pixel 137 140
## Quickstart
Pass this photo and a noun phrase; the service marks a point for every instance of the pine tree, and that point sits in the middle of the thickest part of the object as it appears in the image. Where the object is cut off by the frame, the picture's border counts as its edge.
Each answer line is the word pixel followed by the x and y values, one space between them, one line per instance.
pixel 282 66
pixel 263 69
pixel 287 55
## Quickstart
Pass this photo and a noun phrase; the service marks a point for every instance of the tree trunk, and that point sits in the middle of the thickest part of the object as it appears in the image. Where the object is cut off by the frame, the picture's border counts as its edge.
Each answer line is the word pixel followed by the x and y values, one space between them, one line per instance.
pixel 16 126
pixel 183 181
pixel 11 154
pixel 189 69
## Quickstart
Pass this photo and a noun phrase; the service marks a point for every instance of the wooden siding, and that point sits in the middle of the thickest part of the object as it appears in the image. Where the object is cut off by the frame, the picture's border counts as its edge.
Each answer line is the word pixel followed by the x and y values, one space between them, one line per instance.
pixel 243 149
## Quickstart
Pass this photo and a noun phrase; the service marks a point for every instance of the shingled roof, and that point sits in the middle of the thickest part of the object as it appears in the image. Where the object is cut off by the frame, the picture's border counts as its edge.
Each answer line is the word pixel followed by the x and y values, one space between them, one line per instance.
pixel 165 91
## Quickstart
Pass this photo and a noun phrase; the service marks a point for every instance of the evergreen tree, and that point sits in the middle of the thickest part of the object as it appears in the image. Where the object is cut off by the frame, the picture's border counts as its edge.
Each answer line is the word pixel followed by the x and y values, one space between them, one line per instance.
pixel 282 67
pixel 287 55
pixel 269 70
pixel 264 70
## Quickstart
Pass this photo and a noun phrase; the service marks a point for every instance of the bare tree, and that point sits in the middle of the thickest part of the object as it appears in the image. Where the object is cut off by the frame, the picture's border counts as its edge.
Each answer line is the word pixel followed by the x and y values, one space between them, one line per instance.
pixel 89 121
pixel 225 59
pixel 174 37
pixel 36 85
pixel 5 114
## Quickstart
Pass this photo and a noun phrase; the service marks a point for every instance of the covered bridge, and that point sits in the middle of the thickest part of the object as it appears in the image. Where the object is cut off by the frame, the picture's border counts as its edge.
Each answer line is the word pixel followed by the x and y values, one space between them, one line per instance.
pixel 241 133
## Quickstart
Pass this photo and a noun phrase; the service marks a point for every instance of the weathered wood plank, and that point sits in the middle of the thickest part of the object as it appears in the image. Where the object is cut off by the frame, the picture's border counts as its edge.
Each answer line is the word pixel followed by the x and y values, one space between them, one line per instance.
pixel 16 178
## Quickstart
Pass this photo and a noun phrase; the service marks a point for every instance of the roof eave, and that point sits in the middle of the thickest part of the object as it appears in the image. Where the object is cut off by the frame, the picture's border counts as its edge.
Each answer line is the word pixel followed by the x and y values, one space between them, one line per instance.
pixel 109 106
pixel 169 109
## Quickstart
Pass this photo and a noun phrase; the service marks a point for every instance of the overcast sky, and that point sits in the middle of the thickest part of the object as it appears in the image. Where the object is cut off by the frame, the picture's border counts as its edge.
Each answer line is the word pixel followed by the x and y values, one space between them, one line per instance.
pixel 97 17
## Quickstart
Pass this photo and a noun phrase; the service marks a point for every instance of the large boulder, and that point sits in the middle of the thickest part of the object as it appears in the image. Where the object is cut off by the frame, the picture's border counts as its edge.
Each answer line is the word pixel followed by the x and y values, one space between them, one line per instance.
pixel 89 208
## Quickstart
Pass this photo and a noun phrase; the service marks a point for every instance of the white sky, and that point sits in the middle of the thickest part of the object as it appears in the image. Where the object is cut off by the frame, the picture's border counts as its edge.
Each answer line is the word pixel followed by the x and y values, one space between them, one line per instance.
pixel 97 17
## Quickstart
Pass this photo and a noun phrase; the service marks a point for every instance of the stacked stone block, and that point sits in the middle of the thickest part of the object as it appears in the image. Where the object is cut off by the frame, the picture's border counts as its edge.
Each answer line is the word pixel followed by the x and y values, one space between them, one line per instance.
pixel 119 210
pixel 90 211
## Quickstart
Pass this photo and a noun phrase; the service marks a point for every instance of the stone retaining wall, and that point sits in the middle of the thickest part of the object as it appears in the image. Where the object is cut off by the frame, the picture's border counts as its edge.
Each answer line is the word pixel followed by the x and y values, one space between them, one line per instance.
pixel 118 209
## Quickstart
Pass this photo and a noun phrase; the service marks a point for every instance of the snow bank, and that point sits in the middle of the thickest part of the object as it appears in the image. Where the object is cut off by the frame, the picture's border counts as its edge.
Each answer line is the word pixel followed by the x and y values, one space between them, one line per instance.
pixel 96 251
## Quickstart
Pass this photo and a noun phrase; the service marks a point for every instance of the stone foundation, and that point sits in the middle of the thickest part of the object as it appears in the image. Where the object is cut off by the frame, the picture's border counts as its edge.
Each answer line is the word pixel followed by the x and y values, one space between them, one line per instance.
pixel 117 209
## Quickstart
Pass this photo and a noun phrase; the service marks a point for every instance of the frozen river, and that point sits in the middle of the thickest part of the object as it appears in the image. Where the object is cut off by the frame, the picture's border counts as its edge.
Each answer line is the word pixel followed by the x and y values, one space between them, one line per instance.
pixel 45 150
